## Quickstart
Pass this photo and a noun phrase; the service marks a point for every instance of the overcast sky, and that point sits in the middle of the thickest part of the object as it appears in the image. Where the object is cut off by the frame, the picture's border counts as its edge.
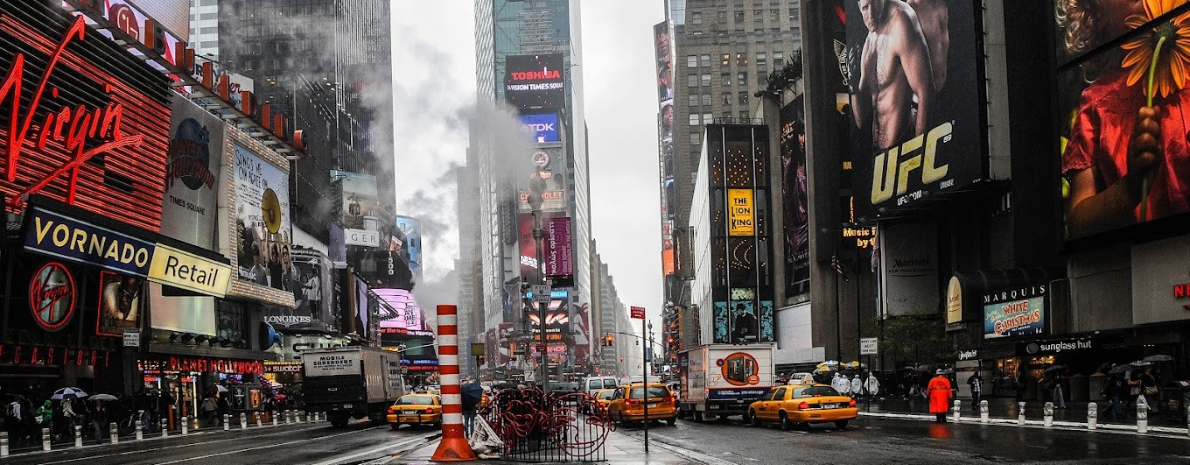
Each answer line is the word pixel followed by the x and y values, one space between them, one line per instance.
pixel 434 87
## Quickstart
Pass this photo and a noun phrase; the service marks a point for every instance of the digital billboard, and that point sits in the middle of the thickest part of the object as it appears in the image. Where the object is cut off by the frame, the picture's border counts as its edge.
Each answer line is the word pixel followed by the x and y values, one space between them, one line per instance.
pixel 540 128
pixel 557 316
pixel 120 299
pixel 193 172
pixel 914 88
pixel 547 164
pixel 534 81
pixel 794 199
pixel 1014 312
pixel 312 292
pixel 360 204
pixel 411 244
pixel 558 250
pixel 262 218
pixel 399 309
pixel 1124 155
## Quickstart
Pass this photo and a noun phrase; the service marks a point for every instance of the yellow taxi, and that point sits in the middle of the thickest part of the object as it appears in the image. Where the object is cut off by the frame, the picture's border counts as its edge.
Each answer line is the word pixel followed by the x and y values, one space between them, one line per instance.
pixel 801 405
pixel 603 397
pixel 628 403
pixel 415 409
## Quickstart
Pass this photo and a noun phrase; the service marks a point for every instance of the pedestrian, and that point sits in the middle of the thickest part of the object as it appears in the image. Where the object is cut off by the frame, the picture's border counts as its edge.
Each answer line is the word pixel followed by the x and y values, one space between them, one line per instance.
pixel 840 383
pixel 873 385
pixel 99 420
pixel 44 416
pixel 1112 388
pixel 1148 388
pixel 69 414
pixel 1018 383
pixel 940 394
pixel 1056 387
pixel 210 410
pixel 857 386
pixel 976 383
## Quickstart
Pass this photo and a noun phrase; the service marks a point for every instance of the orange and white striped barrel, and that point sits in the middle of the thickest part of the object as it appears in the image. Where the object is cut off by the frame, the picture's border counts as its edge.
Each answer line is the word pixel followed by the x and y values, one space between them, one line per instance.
pixel 454 446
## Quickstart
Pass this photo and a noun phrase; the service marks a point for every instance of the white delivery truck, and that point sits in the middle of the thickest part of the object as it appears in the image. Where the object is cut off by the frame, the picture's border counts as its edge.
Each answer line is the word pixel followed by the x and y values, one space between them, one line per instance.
pixel 721 380
pixel 354 382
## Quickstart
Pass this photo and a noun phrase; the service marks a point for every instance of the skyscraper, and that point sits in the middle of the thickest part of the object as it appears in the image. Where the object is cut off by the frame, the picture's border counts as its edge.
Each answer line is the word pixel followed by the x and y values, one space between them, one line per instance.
pixel 524 30
pixel 723 53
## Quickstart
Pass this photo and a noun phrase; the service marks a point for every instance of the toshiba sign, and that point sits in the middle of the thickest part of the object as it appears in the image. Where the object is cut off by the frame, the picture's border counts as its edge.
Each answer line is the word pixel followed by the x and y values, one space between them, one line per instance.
pixel 534 81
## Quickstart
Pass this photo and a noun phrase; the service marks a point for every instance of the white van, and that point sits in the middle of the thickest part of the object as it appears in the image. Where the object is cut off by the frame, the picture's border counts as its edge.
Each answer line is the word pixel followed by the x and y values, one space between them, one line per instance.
pixel 594 384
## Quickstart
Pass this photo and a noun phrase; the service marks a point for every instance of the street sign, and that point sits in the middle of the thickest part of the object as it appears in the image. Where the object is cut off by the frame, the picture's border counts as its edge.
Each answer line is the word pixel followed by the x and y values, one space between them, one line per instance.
pixel 131 337
pixel 867 346
pixel 477 349
pixel 541 294
pixel 638 313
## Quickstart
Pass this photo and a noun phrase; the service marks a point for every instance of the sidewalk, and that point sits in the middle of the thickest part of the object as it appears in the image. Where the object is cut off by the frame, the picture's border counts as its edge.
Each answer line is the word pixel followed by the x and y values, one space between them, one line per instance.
pixel 620 449
pixel 1006 408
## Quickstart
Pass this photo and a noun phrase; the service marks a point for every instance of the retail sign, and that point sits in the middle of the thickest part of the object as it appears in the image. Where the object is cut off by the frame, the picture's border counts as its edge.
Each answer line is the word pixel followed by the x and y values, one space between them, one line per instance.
pixel 1019 311
pixel 131 337
pixel 954 301
pixel 972 354
pixel 741 215
pixel 67 238
pixel 867 345
pixel 362 237
pixel 247 367
pixel 52 295
pixel 1055 347
pixel 1161 281
pixel 282 367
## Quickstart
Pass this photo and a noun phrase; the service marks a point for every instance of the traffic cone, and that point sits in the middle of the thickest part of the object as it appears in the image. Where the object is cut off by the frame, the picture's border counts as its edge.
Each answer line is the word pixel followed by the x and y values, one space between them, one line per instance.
pixel 454 446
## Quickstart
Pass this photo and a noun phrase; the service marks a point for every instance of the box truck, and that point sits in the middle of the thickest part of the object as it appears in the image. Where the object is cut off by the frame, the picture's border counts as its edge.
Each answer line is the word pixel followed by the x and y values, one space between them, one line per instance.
pixel 721 380
pixel 351 382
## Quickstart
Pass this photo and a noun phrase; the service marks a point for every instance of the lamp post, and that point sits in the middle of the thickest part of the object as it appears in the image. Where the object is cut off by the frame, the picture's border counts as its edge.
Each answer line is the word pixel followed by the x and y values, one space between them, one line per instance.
pixel 536 197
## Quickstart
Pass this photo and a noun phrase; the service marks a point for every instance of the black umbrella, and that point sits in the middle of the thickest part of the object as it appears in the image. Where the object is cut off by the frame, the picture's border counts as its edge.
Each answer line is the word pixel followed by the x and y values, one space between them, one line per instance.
pixel 1104 368
pixel 1120 369
pixel 472 394
pixel 1055 368
pixel 1157 358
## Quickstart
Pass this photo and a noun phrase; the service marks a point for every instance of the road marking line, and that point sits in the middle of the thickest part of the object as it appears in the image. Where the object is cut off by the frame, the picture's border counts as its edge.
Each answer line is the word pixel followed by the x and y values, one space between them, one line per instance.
pixel 1127 430
pixel 141 451
pixel 686 453
pixel 270 446
pixel 342 459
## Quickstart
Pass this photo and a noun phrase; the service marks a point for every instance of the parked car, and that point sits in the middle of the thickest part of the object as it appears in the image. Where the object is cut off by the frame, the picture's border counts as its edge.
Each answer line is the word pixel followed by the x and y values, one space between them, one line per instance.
pixel 595 384
pixel 415 409
pixel 802 405
pixel 628 403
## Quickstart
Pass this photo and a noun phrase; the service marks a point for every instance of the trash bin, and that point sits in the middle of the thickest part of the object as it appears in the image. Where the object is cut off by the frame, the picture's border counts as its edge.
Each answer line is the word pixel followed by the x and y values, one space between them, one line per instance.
pixel 1174 399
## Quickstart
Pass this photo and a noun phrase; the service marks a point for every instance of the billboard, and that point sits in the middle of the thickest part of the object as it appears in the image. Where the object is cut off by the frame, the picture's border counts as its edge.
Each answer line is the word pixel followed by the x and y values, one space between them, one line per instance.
pixel 116 164
pixel 558 250
pixel 741 215
pixel 409 236
pixel 312 292
pixel 1122 164
pixel 548 165
pixel 120 303
pixel 794 199
pixel 360 204
pixel 173 14
pixel 916 127
pixel 534 81
pixel 909 269
pixel 1014 312
pixel 262 219
pixel 193 169
pixel 541 128
pixel 398 309
pixel 557 317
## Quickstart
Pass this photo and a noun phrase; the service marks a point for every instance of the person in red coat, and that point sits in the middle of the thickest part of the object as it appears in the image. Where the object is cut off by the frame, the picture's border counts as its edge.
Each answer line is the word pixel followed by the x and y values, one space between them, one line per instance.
pixel 939 391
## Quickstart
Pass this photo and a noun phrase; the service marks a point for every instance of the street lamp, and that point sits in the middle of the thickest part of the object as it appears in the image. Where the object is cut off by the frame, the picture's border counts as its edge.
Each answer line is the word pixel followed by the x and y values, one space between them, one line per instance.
pixel 536 197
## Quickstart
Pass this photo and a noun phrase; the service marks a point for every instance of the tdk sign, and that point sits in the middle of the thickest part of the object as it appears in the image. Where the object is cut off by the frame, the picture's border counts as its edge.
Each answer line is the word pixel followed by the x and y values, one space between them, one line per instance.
pixel 541 128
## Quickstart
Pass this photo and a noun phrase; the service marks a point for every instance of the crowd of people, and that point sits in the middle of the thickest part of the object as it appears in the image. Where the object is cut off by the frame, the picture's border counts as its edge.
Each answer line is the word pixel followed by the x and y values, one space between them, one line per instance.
pixel 26 414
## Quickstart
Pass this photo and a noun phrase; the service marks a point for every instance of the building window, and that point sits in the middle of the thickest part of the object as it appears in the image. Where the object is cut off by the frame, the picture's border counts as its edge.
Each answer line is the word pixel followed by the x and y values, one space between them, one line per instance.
pixel 706 79
pixel 774 15
pixel 741 59
pixel 695 138
pixel 706 118
pixel 761 60
pixel 694 119
pixel 739 16
pixel 692 80
pixel 744 114
pixel 691 61
pixel 696 18
pixel 692 99
pixel 725 78
pixel 726 59
pixel 757 15
pixel 706 99
pixel 721 16
pixel 743 78
pixel 743 98
pixel 705 61
pixel 762 79
pixel 727 98
pixel 779 59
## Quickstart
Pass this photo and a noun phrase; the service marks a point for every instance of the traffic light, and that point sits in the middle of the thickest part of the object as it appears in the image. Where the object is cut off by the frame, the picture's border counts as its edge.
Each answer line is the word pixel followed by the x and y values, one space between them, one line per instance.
pixel 609 340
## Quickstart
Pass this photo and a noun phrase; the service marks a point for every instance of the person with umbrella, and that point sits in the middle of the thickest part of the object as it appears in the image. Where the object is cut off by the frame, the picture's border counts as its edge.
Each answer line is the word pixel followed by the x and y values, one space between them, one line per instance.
pixel 1053 377
pixel 1113 387
pixel 472 395
pixel 99 420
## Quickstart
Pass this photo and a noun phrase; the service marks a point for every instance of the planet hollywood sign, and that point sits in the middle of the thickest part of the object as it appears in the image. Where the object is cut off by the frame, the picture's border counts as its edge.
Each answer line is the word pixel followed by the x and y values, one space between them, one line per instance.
pixel 68 96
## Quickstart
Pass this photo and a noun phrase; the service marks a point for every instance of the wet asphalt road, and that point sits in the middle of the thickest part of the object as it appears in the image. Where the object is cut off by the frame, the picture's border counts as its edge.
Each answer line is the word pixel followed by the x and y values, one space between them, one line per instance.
pixel 877 440
pixel 283 445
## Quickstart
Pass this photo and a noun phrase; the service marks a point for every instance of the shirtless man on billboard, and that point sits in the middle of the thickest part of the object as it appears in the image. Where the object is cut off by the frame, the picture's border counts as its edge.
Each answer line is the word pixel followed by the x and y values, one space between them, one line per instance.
pixel 894 72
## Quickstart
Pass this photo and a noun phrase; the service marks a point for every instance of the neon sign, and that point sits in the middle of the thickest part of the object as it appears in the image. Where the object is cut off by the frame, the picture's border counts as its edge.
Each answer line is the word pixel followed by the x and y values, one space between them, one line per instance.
pixel 52 296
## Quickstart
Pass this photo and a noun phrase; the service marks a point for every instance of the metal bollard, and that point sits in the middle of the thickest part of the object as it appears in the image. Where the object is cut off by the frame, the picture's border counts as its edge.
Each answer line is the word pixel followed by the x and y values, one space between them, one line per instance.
pixel 1188 419
pixel 226 422
pixel 1047 414
pixel 243 421
pixel 165 427
pixel 4 441
pixel 274 419
pixel 958 407
pixel 45 438
pixel 1092 416
pixel 78 436
pixel 1020 413
pixel 1142 418
pixel 185 425
pixel 113 432
pixel 983 411
pixel 288 416
pixel 140 431
pixel 258 414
